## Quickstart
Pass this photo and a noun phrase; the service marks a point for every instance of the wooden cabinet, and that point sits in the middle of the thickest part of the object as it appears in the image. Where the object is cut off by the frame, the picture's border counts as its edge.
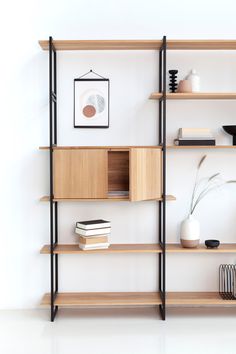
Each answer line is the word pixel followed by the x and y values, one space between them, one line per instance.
pixel 107 173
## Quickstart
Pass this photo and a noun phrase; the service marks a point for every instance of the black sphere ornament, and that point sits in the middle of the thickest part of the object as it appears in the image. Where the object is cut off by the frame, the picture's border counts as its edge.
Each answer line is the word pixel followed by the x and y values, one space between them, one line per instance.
pixel 173 80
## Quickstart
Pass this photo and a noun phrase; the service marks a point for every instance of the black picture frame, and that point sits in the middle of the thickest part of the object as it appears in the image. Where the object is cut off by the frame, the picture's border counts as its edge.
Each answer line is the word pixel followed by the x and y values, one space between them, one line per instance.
pixel 95 126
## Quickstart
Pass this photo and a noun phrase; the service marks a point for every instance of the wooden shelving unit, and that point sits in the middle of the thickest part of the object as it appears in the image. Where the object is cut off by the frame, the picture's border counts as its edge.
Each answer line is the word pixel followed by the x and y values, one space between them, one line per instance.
pixel 55 299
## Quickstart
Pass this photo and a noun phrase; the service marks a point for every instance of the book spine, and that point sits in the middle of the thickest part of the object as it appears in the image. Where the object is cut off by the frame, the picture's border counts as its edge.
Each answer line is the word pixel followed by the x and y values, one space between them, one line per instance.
pixel 94 226
pixel 105 231
pixel 92 240
pixel 194 142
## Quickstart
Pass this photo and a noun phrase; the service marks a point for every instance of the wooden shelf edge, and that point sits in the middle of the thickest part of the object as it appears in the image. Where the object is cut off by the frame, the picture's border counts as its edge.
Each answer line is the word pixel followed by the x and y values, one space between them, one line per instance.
pixel 223 248
pixel 140 248
pixel 115 148
pixel 114 248
pixel 104 299
pixel 46 198
pixel 140 44
pixel 195 96
pixel 137 299
pixel 201 147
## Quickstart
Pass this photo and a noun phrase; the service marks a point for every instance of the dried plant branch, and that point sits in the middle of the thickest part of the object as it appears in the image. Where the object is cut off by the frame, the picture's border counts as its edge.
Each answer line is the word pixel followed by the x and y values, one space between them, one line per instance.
pixel 211 183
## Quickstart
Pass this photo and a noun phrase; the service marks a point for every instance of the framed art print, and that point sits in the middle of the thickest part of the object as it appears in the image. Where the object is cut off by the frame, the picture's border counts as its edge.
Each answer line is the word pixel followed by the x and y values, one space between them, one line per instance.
pixel 91 103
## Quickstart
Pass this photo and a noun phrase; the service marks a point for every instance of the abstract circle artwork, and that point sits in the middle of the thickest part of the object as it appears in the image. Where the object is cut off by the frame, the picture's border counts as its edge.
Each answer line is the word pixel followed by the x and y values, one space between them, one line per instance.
pixel 91 103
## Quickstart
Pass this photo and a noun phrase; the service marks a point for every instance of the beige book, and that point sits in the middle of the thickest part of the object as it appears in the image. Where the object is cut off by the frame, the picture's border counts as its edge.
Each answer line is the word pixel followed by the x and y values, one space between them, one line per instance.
pixel 93 240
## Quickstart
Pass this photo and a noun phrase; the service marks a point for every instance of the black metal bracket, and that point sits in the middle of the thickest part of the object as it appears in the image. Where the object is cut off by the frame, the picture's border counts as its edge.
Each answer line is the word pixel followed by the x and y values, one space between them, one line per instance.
pixel 162 204
pixel 53 205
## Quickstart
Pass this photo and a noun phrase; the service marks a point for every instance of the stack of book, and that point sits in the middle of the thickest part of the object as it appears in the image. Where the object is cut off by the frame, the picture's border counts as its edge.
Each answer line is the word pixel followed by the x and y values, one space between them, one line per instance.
pixel 93 234
pixel 195 136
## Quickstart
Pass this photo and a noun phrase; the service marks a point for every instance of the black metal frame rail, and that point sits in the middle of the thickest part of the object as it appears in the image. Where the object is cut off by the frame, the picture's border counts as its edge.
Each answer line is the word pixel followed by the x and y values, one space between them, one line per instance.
pixel 162 204
pixel 53 205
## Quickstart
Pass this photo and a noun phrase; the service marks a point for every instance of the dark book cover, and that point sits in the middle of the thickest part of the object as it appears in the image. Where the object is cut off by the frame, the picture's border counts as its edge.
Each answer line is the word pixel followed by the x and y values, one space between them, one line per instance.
pixel 194 142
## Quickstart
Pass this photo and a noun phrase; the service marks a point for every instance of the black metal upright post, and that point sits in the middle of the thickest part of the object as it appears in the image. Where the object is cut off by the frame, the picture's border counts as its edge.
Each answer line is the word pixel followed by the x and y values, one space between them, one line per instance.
pixel 162 204
pixel 53 205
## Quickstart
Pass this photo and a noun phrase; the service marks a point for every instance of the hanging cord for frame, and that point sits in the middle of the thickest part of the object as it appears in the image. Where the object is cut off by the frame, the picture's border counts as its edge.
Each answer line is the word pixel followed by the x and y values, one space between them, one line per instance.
pixel 93 72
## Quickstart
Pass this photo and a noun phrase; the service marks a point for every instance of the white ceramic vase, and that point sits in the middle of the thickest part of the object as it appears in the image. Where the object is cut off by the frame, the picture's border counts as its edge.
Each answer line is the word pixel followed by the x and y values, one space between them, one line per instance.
pixel 190 232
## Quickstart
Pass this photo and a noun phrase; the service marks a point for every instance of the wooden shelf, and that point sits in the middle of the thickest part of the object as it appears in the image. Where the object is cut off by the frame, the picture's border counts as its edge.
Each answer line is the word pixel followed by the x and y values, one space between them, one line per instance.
pixel 140 248
pixel 46 198
pixel 140 44
pixel 137 299
pixel 115 248
pixel 195 96
pixel 197 299
pixel 109 148
pixel 201 147
pixel 223 248
pixel 104 299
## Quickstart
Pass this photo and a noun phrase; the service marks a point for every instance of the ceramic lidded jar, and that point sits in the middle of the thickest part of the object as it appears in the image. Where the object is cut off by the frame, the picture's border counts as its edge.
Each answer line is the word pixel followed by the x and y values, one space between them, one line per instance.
pixel 190 232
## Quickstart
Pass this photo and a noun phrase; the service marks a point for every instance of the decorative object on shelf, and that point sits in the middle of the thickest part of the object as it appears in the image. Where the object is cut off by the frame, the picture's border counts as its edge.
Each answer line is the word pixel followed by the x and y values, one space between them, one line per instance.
pixel 195 136
pixel 190 229
pixel 231 129
pixel 173 80
pixel 93 234
pixel 91 101
pixel 185 86
pixel 227 281
pixel 190 232
pixel 212 243
pixel 195 80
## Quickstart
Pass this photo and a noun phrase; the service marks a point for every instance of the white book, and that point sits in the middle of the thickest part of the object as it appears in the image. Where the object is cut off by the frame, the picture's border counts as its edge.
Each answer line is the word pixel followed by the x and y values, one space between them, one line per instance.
pixel 104 231
pixel 195 132
pixel 93 224
pixel 198 138
pixel 94 247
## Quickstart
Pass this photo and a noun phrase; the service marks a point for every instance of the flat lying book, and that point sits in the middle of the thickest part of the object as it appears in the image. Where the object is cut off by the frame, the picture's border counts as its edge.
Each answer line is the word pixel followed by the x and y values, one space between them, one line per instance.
pixel 98 246
pixel 104 231
pixel 201 132
pixel 197 138
pixel 194 142
pixel 93 224
pixel 93 240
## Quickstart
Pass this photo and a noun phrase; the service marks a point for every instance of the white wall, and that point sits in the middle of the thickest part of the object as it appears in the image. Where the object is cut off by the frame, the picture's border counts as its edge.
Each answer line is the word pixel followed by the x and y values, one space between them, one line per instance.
pixel 24 273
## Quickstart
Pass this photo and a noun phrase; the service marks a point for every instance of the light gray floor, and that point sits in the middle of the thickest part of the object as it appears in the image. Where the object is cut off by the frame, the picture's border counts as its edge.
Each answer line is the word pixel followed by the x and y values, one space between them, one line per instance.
pixel 113 331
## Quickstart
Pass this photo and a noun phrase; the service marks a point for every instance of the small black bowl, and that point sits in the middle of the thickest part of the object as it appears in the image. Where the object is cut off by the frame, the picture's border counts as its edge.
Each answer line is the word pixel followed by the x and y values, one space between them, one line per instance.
pixel 212 243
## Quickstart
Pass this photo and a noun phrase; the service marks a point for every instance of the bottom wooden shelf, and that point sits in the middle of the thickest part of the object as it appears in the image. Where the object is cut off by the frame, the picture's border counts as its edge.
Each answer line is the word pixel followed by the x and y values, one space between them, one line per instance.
pixel 104 299
pixel 137 299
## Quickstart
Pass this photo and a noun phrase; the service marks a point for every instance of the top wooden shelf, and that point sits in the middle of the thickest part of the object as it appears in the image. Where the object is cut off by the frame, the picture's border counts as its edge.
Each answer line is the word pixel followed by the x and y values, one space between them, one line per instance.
pixel 139 44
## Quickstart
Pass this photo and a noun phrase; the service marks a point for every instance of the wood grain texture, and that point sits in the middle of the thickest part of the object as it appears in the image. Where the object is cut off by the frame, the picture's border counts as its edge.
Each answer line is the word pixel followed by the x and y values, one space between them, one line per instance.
pixel 80 173
pixel 201 147
pixel 197 299
pixel 140 44
pixel 109 148
pixel 115 248
pixel 223 248
pixel 102 44
pixel 104 299
pixel 137 299
pixel 195 96
pixel 45 198
pixel 145 174
pixel 118 171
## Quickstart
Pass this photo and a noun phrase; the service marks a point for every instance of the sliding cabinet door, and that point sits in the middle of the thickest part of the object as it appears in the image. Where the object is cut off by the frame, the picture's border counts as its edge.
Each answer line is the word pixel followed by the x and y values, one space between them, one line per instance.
pixel 145 174
pixel 80 173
